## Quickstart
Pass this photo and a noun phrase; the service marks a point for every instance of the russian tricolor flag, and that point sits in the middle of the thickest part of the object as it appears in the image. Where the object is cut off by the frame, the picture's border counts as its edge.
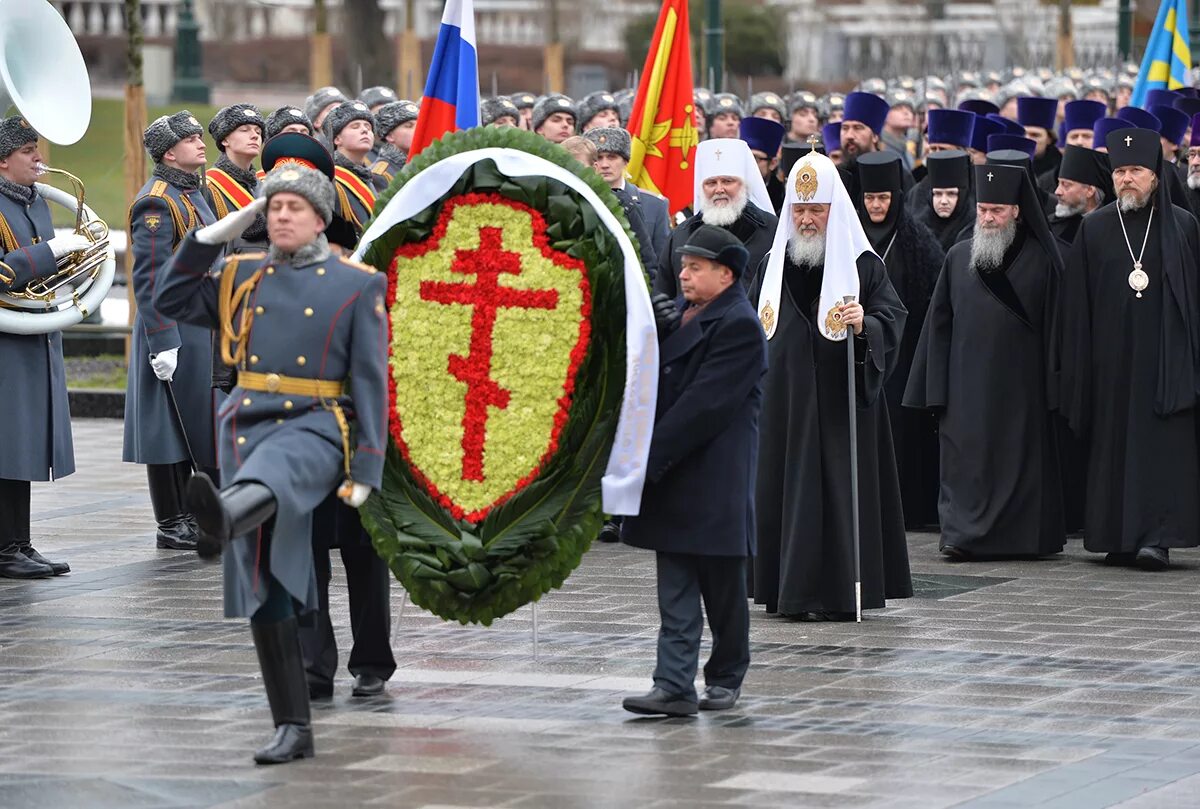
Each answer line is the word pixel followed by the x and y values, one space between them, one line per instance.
pixel 451 99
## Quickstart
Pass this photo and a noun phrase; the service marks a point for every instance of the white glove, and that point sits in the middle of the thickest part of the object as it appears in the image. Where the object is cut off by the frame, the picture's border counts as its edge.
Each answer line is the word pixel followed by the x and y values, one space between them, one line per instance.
pixel 164 364
pixel 70 243
pixel 232 226
pixel 354 494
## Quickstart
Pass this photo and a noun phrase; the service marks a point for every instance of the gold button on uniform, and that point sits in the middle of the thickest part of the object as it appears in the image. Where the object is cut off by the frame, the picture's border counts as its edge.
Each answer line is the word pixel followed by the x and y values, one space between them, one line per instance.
pixel 300 360
pixel 258 310
pixel 279 421
pixel 320 270
pixel 246 401
pixel 270 270
pixel 308 311
pixel 241 439
pixel 287 404
pixel 254 359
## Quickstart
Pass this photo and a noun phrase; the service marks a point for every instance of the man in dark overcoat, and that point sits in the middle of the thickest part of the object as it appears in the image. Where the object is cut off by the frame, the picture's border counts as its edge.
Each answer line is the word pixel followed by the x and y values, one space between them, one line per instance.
pixel 37 434
pixel 697 509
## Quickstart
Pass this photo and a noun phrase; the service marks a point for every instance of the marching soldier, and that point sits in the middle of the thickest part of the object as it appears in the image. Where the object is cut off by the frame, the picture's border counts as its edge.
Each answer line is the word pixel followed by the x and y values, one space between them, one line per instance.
pixel 169 405
pixel 37 441
pixel 307 331
pixel 231 184
pixel 350 128
pixel 394 127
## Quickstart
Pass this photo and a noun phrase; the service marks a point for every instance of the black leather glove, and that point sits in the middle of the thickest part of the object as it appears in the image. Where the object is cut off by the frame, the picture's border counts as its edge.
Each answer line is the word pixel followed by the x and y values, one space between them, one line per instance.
pixel 666 315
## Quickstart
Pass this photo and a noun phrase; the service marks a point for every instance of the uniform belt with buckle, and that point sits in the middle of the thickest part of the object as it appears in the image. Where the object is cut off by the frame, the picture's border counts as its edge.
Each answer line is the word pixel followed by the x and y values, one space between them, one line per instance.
pixel 291 385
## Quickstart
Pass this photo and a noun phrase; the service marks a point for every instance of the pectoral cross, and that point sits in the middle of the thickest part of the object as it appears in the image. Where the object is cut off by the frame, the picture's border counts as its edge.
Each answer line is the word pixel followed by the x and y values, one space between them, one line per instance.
pixel 485 297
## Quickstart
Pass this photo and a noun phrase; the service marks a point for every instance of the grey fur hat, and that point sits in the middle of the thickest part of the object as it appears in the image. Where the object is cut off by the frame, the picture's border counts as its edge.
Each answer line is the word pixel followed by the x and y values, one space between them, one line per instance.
pixel 343 114
pixel 767 101
pixel 390 116
pixel 321 99
pixel 230 118
pixel 524 101
pixel 549 105
pixel 374 96
pixel 725 102
pixel 163 133
pixel 15 132
pixel 308 183
pixel 610 140
pixel 593 104
pixel 494 108
pixel 286 116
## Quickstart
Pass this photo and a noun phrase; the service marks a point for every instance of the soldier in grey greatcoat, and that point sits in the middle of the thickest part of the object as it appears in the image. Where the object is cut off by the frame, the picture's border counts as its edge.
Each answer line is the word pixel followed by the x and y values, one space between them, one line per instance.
pixel 394 127
pixel 37 427
pixel 166 354
pixel 308 333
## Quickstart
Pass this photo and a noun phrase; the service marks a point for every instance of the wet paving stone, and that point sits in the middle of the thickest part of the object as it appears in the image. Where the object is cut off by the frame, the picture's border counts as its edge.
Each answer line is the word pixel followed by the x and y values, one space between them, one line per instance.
pixel 1053 683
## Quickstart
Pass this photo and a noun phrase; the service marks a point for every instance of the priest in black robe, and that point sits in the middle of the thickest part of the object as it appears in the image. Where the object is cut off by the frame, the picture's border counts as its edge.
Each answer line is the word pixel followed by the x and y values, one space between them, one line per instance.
pixel 805 562
pixel 913 258
pixel 945 200
pixel 984 365
pixel 1130 346
pixel 1084 184
pixel 1193 166
pixel 730 194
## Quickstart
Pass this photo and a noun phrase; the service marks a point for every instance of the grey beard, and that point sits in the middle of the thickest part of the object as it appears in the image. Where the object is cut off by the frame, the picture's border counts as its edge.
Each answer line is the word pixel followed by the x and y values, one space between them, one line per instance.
pixel 806 251
pixel 1065 211
pixel 1193 180
pixel 1130 201
pixel 988 246
pixel 725 215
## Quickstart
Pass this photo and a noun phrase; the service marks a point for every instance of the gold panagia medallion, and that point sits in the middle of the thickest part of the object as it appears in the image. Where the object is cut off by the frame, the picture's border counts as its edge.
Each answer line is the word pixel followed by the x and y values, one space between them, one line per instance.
pixel 767 317
pixel 1138 280
pixel 834 324
pixel 806 182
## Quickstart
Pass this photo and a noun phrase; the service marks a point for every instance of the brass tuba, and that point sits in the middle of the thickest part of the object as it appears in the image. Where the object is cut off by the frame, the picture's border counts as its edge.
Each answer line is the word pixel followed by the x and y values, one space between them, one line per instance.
pixel 43 75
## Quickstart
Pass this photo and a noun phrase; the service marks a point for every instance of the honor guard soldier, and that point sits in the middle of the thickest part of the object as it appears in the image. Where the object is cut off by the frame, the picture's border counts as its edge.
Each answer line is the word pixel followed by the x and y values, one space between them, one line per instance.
pixel 499 111
pixel 524 102
pixel 231 184
pixel 336 525
pixel 350 128
pixel 169 401
pixel 37 441
pixel 288 119
pixel 320 104
pixel 394 127
pixel 308 333
pixel 598 111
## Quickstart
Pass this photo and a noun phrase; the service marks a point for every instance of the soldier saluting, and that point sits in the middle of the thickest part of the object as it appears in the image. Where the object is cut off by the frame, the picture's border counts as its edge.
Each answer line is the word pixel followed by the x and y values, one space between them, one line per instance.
pixel 298 322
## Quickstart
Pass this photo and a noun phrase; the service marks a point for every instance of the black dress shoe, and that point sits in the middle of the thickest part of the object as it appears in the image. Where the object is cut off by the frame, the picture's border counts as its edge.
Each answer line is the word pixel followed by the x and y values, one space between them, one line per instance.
pixel 177 534
pixel 719 698
pixel 320 690
pixel 611 532
pixel 367 685
pixel 16 565
pixel 954 554
pixel 289 743
pixel 821 616
pixel 58 568
pixel 660 703
pixel 1119 559
pixel 1152 559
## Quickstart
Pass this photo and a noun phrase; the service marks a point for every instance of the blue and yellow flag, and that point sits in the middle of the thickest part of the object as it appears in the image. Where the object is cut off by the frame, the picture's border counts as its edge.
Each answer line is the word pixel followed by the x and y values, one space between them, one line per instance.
pixel 1168 56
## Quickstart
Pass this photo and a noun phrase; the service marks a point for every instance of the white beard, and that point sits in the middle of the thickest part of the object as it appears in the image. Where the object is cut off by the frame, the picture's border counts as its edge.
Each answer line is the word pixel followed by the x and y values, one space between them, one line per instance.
pixel 806 251
pixel 1130 201
pixel 1193 181
pixel 989 246
pixel 723 216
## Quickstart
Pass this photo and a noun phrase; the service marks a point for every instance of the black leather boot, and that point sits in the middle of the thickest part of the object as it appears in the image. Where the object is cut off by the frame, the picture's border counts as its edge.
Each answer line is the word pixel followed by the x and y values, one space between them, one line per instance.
pixel 278 647
pixel 223 514
pixel 14 524
pixel 175 529
pixel 16 565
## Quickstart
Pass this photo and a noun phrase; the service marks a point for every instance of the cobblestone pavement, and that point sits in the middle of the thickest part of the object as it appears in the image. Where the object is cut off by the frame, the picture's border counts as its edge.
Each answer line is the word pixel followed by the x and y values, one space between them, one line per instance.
pixel 1059 683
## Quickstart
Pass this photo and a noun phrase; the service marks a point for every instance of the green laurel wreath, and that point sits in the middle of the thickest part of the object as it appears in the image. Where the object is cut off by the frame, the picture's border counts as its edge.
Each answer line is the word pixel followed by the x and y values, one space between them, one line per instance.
pixel 475 573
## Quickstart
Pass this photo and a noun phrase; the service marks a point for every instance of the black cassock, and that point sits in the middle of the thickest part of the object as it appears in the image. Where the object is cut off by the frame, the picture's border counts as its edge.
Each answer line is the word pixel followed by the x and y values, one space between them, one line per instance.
pixel 805 559
pixel 982 366
pixel 1129 379
pixel 913 258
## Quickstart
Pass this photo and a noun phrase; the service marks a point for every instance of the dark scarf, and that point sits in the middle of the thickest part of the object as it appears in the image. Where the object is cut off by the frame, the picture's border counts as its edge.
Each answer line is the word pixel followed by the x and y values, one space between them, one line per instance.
pixel 246 178
pixel 24 194
pixel 362 172
pixel 184 180
pixel 311 253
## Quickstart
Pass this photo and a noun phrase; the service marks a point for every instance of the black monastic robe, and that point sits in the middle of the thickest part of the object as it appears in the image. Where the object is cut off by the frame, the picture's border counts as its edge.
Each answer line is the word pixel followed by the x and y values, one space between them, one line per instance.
pixel 982 367
pixel 1129 379
pixel 805 559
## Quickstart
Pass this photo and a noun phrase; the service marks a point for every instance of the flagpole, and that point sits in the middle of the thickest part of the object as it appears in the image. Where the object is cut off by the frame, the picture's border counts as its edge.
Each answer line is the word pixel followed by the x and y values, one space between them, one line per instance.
pixel 853 410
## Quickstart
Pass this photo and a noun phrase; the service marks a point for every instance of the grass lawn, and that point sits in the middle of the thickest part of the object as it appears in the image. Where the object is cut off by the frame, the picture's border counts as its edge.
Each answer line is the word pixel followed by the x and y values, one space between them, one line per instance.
pixel 106 371
pixel 98 159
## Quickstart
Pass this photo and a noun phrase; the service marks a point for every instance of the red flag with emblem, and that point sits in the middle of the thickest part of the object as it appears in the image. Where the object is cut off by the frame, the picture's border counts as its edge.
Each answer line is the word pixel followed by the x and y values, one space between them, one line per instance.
pixel 664 137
